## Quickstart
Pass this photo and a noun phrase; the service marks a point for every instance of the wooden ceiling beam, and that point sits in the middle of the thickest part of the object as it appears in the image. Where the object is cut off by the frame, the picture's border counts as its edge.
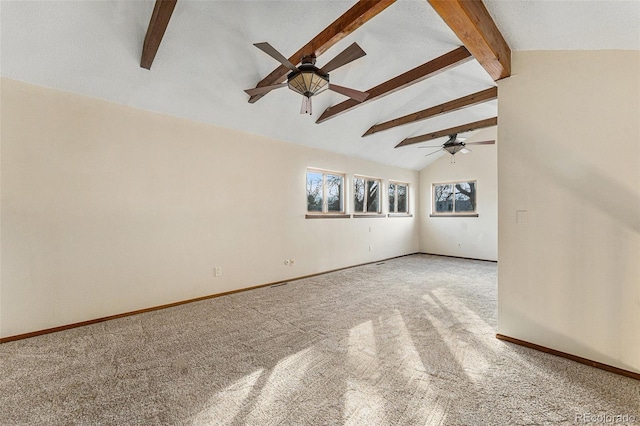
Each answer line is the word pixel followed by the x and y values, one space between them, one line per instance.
pixel 160 17
pixel 456 104
pixel 421 72
pixel 350 21
pixel 472 23
pixel 446 132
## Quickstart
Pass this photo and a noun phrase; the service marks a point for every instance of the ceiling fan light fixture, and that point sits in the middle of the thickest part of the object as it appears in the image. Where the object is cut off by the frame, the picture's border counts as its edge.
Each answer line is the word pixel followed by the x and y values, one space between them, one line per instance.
pixel 308 83
pixel 308 80
pixel 453 149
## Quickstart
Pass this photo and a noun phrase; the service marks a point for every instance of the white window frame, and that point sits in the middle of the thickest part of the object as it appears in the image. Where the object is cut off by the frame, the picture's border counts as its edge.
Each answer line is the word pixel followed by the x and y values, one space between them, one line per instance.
pixel 454 213
pixel 365 213
pixel 325 205
pixel 395 212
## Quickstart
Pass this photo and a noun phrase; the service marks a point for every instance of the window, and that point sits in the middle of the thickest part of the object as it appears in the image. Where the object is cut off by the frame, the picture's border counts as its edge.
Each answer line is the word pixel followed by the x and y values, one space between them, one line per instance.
pixel 398 198
pixel 455 198
pixel 325 192
pixel 366 195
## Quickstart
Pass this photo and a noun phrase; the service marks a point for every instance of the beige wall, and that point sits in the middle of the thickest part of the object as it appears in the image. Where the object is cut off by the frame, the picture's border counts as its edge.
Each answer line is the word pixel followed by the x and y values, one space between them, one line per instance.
pixel 569 156
pixel 472 237
pixel 108 209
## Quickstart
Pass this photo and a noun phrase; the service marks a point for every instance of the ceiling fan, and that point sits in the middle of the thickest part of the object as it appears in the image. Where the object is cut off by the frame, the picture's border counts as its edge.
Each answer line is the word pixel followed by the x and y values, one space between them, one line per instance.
pixel 309 80
pixel 455 145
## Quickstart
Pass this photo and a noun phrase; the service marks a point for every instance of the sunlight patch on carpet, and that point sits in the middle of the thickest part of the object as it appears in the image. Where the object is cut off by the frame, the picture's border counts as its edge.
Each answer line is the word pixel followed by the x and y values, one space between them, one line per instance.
pixel 469 359
pixel 281 386
pixel 227 403
pixel 363 402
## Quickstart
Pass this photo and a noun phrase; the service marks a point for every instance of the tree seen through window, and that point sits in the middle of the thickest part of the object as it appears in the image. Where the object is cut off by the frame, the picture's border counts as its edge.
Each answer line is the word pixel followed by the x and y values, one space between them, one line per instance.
pixel 325 192
pixel 366 195
pixel 456 197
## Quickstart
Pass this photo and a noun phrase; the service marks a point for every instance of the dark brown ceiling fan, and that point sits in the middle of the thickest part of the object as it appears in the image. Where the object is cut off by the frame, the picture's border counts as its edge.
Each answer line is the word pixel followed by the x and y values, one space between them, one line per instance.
pixel 309 80
pixel 455 145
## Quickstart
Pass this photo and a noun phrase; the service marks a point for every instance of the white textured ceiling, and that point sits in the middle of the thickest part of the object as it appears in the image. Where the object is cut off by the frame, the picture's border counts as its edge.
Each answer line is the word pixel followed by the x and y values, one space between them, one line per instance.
pixel 568 25
pixel 207 58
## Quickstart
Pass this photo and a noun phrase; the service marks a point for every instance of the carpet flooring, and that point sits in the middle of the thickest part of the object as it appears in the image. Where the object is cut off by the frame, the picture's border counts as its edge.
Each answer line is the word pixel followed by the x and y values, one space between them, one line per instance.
pixel 408 341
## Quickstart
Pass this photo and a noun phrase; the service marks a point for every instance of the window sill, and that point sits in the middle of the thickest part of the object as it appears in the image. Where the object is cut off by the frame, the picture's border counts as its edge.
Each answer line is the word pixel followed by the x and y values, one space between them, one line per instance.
pixel 327 216
pixel 455 215
pixel 400 215
pixel 368 215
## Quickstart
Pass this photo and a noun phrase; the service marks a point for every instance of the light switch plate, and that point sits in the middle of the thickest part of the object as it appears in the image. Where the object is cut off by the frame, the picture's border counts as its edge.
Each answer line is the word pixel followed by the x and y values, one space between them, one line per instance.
pixel 522 217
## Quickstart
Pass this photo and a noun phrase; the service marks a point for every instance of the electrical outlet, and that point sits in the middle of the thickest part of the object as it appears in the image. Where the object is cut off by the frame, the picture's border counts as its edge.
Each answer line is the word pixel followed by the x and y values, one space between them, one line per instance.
pixel 217 271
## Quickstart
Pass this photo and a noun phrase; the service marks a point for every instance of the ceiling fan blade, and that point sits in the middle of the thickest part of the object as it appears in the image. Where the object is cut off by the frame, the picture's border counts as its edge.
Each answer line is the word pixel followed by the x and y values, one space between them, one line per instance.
pixel 352 93
pixel 431 153
pixel 271 51
pixel 264 89
pixel 430 146
pixel 481 143
pixel 349 54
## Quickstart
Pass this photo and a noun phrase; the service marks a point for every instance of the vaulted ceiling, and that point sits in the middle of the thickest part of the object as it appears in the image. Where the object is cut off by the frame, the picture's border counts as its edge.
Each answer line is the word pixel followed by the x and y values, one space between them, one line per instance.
pixel 206 59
